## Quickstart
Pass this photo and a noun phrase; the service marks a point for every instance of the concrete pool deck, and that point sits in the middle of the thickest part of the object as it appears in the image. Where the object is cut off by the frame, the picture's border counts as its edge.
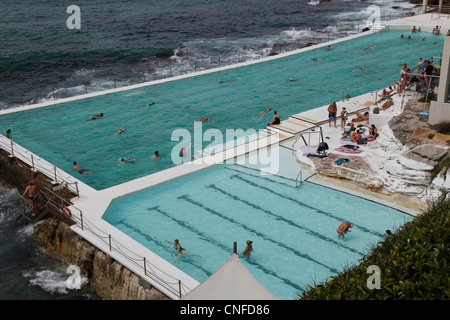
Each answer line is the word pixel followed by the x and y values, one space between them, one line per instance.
pixel 93 204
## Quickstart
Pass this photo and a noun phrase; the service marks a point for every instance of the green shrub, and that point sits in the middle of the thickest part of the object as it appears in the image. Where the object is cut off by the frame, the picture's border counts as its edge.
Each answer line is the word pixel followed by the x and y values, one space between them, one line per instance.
pixel 431 96
pixel 443 127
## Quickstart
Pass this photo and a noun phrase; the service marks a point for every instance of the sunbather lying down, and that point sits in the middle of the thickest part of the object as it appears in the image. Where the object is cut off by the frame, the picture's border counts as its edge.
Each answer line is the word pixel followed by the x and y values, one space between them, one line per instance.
pixel 389 103
pixel 362 117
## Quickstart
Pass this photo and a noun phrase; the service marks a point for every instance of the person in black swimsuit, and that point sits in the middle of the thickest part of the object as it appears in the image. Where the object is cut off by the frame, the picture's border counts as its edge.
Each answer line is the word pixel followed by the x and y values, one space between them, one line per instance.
pixel 276 119
pixel 180 250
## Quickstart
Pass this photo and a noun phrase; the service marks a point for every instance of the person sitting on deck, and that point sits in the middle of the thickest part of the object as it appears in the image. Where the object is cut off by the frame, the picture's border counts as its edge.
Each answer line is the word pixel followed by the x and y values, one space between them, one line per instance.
pixel 373 132
pixel 355 136
pixel 276 119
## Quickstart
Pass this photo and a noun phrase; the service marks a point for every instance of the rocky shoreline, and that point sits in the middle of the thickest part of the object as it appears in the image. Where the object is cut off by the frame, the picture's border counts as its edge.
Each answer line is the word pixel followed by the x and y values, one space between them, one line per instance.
pixel 399 162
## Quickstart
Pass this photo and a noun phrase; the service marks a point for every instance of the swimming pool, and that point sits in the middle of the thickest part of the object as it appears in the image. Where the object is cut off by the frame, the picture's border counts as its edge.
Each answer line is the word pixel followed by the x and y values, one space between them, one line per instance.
pixel 293 229
pixel 230 97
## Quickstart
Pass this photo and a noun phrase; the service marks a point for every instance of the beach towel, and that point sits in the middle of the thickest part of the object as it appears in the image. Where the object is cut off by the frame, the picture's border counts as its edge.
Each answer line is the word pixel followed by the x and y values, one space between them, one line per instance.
pixel 307 151
pixel 343 149
pixel 342 160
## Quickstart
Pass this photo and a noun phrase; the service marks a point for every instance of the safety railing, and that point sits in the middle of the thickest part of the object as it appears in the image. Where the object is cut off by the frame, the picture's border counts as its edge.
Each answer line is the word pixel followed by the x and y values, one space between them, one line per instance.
pixel 51 172
pixel 437 12
pixel 151 271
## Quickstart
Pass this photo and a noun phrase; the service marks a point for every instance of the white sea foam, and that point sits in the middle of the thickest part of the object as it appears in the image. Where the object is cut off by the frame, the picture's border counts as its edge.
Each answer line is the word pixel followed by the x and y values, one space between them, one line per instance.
pixel 54 282
pixel 9 204
pixel 313 2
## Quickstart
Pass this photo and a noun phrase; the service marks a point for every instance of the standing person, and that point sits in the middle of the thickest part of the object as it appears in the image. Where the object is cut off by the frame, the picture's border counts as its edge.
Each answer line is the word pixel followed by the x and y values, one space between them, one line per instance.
pixel 248 249
pixel 344 117
pixel 332 110
pixel 343 229
pixel 32 194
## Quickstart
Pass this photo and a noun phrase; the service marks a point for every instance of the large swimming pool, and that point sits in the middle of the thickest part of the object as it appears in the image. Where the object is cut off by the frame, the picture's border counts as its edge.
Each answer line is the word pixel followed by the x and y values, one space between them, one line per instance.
pixel 231 98
pixel 293 229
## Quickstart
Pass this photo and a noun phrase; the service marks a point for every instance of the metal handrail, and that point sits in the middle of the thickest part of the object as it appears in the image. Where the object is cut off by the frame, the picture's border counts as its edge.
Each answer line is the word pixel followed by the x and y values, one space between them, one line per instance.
pixel 298 182
pixel 47 169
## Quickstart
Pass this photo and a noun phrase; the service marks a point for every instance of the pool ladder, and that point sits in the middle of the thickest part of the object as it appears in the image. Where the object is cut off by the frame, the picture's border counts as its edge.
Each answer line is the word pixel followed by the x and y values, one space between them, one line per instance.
pixel 344 94
pixel 299 180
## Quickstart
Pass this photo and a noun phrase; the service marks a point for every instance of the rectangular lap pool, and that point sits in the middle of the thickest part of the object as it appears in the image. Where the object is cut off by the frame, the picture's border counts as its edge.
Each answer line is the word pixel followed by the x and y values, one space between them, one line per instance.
pixel 293 229
pixel 231 98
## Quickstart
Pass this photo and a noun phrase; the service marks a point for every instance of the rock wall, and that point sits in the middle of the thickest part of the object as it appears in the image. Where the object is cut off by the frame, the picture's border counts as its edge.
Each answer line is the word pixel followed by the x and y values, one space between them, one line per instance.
pixel 110 279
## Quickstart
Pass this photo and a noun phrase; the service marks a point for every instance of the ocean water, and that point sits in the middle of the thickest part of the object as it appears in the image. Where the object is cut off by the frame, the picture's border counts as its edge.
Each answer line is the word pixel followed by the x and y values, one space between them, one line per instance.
pixel 127 42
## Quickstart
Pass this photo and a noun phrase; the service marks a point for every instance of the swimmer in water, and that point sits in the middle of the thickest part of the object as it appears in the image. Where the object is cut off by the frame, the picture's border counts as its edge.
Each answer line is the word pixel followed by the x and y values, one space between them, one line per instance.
pixel 148 105
pixel 369 47
pixel 121 130
pixel 223 81
pixel 180 250
pixel 79 168
pixel 95 117
pixel 157 155
pixel 128 160
pixel 343 229
pixel 182 152
pixel 362 68
pixel 203 119
pixel 317 59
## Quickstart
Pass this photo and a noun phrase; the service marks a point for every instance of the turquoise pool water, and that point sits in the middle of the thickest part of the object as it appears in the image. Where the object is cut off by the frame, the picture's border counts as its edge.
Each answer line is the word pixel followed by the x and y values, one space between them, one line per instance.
pixel 60 135
pixel 293 229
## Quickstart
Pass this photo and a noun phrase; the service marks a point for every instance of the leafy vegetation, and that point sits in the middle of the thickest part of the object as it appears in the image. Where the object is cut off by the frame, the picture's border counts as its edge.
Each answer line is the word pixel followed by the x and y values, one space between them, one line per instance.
pixel 413 262
pixel 443 127
pixel 444 164
pixel 431 96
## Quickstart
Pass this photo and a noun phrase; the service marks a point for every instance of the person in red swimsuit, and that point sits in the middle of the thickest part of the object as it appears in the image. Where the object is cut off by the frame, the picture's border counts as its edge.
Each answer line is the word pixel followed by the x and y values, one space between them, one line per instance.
pixel 343 229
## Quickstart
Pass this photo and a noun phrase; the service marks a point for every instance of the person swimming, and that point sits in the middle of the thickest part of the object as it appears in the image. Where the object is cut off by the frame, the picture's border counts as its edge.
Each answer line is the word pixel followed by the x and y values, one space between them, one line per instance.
pixel 203 119
pixel 147 105
pixel 95 117
pixel 362 68
pixel 128 160
pixel 79 168
pixel 180 250
pixel 121 130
